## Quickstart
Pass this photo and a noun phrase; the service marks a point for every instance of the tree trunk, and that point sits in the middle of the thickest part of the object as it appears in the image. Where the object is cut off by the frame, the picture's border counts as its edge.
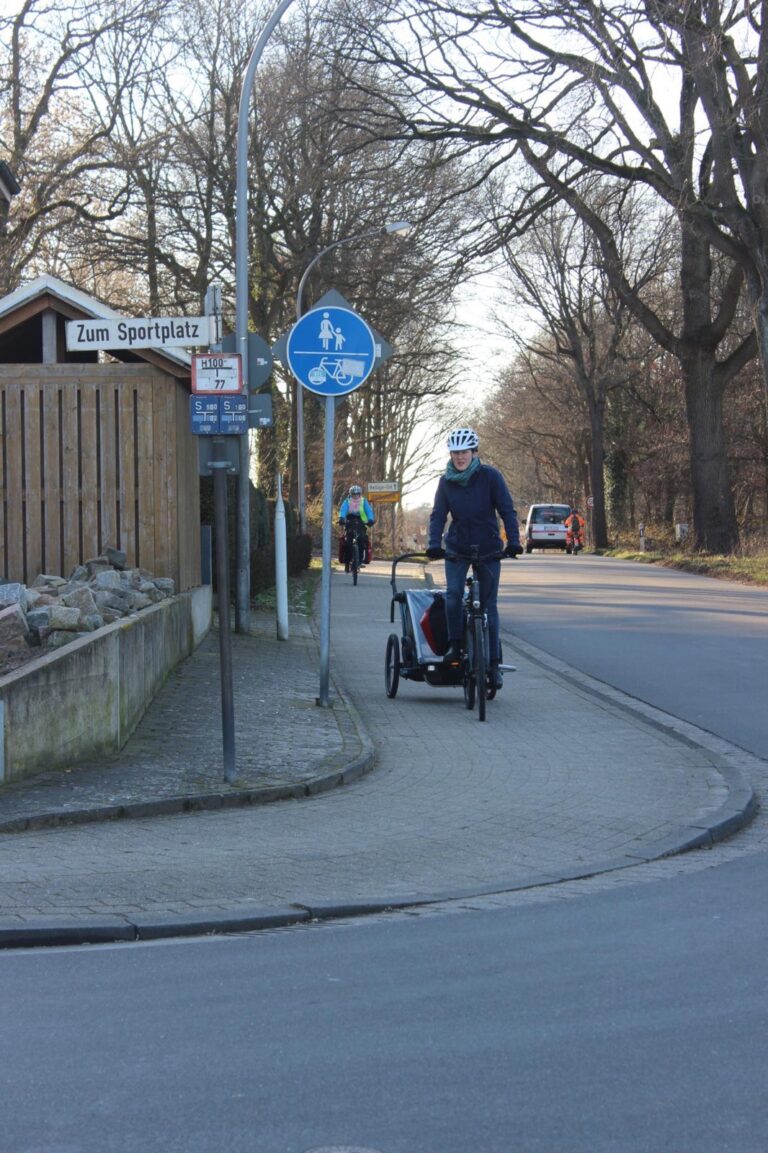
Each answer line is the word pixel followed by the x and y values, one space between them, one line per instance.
pixel 597 431
pixel 714 515
pixel 617 489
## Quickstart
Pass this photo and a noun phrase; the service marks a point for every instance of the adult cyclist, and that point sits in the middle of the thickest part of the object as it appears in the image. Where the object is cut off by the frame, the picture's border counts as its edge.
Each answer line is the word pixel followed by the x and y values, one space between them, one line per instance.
pixel 355 510
pixel 574 529
pixel 473 494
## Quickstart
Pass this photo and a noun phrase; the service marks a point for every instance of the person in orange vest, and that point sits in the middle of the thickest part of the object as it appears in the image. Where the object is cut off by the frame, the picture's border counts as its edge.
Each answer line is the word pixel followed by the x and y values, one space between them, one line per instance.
pixel 574 529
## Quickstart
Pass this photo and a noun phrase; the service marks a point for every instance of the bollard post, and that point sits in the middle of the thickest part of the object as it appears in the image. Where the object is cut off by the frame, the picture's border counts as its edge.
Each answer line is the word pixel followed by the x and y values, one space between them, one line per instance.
pixel 641 529
pixel 219 469
pixel 281 564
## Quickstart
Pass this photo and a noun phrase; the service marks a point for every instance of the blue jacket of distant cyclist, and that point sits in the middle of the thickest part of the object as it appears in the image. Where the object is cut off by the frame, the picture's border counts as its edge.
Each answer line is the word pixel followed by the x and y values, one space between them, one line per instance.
pixel 473 508
pixel 357 505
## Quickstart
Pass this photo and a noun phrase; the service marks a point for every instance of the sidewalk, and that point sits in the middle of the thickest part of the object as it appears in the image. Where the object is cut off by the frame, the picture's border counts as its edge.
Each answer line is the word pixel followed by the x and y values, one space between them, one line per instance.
pixel 286 747
pixel 453 808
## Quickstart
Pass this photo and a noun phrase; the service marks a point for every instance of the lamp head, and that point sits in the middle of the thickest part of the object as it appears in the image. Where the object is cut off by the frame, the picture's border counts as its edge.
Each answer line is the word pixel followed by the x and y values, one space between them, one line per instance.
pixel 402 226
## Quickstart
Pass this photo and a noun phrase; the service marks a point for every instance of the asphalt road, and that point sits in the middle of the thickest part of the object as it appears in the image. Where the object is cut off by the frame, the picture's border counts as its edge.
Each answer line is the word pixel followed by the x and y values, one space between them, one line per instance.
pixel 629 1021
pixel 620 1014
pixel 694 646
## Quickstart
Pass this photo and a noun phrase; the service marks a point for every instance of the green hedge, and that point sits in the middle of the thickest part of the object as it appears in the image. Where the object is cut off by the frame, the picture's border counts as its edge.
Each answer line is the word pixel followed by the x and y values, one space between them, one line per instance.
pixel 299 554
pixel 262 516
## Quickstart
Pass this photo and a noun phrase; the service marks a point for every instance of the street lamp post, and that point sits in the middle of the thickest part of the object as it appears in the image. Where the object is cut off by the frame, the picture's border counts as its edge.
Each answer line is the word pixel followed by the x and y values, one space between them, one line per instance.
pixel 330 404
pixel 243 582
pixel 401 226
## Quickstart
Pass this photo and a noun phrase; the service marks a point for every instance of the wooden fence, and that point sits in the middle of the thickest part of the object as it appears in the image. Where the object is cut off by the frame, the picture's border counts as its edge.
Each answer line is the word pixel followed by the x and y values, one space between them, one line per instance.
pixel 92 456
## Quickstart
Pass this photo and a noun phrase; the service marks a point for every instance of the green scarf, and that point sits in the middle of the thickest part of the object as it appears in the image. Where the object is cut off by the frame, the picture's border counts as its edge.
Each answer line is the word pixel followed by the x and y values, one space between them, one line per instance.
pixel 453 474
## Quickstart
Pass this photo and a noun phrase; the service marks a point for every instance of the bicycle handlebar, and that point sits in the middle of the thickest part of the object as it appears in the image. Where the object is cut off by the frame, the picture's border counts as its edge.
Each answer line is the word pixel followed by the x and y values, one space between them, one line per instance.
pixel 479 557
pixel 448 556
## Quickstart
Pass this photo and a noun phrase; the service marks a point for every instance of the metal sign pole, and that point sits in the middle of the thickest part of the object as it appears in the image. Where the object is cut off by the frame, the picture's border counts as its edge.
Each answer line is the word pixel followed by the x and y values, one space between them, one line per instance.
pixel 219 469
pixel 331 351
pixel 325 584
pixel 243 592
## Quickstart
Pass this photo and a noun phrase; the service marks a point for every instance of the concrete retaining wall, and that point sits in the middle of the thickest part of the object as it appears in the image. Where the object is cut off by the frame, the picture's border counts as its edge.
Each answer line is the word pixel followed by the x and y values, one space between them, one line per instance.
pixel 87 698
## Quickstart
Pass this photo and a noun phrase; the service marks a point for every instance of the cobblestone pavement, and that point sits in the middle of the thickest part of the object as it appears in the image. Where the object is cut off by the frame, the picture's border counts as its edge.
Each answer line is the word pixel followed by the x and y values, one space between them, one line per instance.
pixel 454 808
pixel 285 745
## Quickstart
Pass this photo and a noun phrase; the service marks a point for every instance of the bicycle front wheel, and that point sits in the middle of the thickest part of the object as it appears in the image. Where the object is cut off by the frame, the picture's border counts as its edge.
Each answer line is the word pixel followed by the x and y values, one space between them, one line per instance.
pixel 355 562
pixel 480 636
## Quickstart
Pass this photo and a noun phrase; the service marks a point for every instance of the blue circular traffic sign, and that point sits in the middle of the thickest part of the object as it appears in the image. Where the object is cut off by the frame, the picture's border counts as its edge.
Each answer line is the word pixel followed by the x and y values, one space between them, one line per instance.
pixel 331 351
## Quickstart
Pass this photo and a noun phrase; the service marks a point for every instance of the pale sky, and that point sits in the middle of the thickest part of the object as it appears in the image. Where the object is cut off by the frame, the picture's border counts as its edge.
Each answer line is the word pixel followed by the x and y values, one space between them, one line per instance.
pixel 484 349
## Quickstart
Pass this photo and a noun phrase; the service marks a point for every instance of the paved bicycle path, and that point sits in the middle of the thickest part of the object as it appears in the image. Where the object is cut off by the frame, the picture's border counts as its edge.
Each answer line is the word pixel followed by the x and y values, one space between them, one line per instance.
pixel 453 807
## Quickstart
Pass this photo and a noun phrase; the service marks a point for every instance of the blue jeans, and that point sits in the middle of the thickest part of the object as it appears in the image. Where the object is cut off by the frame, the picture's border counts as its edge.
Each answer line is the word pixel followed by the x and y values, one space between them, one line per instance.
pixel 455 575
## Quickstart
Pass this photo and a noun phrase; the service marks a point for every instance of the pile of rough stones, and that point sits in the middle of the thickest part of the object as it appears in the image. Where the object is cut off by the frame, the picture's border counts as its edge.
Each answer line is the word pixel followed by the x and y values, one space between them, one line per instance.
pixel 52 611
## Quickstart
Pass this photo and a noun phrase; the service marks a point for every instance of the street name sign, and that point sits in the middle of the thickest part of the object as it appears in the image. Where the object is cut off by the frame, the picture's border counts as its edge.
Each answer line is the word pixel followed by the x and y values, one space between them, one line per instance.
pixel 384 486
pixel 331 351
pixel 160 332
pixel 217 372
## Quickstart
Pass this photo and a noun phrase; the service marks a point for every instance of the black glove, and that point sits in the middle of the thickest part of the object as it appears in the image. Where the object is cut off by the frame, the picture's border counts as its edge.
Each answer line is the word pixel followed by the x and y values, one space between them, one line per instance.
pixel 513 550
pixel 436 553
pixel 341 524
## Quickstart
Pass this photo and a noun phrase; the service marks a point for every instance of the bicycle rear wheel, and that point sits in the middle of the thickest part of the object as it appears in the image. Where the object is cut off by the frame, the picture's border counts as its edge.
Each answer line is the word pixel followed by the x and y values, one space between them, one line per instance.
pixel 491 689
pixel 469 682
pixel 480 636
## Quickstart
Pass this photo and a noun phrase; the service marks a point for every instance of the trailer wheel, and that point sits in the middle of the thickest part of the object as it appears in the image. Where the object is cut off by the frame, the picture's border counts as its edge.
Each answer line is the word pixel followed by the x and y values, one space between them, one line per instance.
pixel 392 665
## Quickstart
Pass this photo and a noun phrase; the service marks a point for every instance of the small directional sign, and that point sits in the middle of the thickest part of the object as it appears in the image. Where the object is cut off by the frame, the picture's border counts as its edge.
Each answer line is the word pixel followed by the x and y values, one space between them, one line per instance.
pixel 204 415
pixel 218 415
pixel 260 410
pixel 331 351
pixel 260 361
pixel 233 414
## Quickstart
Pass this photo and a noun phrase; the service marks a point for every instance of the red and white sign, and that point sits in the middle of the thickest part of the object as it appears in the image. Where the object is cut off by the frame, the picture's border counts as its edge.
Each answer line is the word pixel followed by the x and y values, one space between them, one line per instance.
pixel 217 373
pixel 590 502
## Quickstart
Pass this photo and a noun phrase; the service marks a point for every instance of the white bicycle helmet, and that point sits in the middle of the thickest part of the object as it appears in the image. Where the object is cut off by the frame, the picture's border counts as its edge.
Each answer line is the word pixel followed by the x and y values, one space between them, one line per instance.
pixel 355 490
pixel 461 439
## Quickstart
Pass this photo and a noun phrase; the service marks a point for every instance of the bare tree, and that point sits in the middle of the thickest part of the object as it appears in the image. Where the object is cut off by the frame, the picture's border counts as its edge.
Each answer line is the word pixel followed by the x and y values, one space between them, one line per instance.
pixel 581 87
pixel 560 280
pixel 52 135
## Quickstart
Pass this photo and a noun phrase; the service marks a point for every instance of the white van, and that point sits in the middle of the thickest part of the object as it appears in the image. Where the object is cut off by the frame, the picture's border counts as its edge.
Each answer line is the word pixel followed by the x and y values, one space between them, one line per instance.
pixel 545 527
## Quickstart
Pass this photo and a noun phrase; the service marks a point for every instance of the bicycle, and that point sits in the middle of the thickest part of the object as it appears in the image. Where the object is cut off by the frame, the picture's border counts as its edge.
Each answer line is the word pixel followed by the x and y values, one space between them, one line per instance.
pixel 354 537
pixel 477 682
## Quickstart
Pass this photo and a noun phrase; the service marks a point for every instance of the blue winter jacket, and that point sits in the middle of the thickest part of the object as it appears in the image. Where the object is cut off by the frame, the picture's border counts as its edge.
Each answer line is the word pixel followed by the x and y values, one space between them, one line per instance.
pixel 473 508
pixel 367 515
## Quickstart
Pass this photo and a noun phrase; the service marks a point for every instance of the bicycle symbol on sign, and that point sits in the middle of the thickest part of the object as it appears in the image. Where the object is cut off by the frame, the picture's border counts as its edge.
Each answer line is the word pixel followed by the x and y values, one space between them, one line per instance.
pixel 343 371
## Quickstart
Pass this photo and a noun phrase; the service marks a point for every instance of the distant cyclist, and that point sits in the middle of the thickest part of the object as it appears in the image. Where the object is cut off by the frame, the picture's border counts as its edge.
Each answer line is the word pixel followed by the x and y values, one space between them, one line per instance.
pixel 574 529
pixel 473 493
pixel 355 511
